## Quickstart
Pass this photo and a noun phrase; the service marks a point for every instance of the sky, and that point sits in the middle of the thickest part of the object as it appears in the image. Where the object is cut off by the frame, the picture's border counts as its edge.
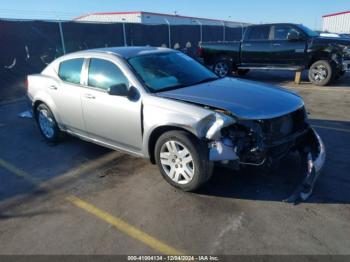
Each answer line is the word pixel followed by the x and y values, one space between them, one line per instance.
pixel 307 12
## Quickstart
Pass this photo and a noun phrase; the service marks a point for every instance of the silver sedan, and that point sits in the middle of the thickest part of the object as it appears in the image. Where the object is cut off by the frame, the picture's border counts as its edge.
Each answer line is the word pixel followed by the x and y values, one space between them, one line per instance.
pixel 160 104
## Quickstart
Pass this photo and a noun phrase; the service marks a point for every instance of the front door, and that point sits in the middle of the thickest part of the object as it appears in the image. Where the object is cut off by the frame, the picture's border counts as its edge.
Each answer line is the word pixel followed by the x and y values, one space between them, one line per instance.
pixel 114 120
pixel 285 52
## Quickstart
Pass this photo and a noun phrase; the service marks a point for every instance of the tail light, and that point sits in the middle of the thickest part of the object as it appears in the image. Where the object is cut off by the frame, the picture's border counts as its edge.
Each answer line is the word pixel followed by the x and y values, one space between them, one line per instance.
pixel 199 51
pixel 25 83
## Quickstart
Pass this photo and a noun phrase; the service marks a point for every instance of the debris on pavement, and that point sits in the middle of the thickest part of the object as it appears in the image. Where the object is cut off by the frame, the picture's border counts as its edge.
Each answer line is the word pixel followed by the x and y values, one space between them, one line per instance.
pixel 26 114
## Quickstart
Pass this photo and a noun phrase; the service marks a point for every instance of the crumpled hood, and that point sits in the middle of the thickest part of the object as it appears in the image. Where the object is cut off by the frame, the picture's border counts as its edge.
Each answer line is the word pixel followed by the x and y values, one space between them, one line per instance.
pixel 244 99
pixel 335 40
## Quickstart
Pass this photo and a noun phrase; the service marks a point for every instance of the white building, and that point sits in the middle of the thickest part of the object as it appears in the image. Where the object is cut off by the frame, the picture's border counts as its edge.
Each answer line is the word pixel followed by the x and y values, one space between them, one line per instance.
pixel 152 19
pixel 337 23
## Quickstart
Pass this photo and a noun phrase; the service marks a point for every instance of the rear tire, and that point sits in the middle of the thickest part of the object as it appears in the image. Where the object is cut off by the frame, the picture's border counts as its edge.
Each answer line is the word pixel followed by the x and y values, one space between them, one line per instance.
pixel 321 73
pixel 47 124
pixel 223 68
pixel 183 160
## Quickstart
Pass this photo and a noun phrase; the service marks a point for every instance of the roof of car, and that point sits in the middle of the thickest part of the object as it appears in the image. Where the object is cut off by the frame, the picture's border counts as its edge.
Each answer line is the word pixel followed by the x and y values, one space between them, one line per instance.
pixel 130 51
pixel 271 24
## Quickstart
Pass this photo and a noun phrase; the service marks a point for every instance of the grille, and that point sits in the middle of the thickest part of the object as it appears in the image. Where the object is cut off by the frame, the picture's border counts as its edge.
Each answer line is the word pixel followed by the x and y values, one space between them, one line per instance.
pixel 284 126
pixel 272 138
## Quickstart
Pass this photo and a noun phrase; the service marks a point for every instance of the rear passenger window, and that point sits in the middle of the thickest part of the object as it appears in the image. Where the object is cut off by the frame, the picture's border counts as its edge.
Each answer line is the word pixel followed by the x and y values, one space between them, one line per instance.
pixel 70 70
pixel 259 33
pixel 104 74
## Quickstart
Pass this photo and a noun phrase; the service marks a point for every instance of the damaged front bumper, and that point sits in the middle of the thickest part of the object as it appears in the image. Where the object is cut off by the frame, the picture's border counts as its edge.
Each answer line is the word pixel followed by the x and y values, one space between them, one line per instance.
pixel 311 149
pixel 313 155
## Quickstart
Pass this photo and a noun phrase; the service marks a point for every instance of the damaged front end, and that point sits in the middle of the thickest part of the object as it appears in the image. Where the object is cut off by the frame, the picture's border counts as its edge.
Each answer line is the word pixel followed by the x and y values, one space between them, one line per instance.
pixel 264 142
pixel 313 155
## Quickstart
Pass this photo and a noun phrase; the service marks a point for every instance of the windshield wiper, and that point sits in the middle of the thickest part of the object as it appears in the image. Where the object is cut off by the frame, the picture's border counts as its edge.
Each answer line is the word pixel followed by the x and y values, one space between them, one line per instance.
pixel 206 80
pixel 187 85
pixel 170 88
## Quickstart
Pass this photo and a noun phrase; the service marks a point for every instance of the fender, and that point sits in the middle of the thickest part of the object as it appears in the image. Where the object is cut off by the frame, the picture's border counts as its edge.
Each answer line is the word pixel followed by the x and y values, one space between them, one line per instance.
pixel 320 50
pixel 163 112
pixel 45 98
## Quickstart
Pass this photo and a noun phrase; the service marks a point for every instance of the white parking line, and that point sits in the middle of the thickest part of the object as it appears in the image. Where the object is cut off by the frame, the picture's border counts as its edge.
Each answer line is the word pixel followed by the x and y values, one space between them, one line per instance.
pixel 333 128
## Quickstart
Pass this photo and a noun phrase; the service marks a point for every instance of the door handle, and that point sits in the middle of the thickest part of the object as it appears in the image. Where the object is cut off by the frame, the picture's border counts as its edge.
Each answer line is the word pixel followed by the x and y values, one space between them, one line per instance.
pixel 276 44
pixel 89 96
pixel 248 45
pixel 53 87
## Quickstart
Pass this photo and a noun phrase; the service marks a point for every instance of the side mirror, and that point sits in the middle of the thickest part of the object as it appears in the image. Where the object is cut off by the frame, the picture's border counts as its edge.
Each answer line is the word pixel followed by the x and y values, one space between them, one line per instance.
pixel 293 36
pixel 118 90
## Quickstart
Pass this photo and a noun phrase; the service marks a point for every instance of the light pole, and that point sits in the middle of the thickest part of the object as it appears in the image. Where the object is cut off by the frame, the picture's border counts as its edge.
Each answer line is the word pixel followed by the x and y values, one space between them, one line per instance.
pixel 201 29
pixel 62 37
pixel 169 32
pixel 242 31
pixel 61 34
pixel 224 33
pixel 124 33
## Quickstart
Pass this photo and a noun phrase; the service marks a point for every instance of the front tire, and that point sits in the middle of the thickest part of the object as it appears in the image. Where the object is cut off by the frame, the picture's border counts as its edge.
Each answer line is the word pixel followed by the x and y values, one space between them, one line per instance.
pixel 47 124
pixel 183 160
pixel 321 73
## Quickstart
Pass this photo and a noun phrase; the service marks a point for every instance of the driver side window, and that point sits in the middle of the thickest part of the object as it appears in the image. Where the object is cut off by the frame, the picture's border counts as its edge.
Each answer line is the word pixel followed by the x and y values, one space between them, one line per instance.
pixel 281 32
pixel 104 74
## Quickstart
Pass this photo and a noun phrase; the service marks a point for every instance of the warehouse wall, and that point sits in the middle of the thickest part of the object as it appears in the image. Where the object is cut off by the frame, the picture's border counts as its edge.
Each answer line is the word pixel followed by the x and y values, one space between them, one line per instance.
pixel 337 23
pixel 26 47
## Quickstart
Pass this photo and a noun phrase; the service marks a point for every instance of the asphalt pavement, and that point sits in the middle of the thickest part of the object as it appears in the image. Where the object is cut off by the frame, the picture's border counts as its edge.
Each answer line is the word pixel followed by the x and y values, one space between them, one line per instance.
pixel 80 198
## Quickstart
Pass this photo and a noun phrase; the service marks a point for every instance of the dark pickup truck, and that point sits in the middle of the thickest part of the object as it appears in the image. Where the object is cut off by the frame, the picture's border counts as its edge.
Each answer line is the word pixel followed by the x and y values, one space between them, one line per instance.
pixel 280 46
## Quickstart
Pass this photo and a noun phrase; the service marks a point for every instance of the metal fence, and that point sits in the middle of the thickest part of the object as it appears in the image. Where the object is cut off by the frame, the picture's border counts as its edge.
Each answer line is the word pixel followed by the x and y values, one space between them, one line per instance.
pixel 28 46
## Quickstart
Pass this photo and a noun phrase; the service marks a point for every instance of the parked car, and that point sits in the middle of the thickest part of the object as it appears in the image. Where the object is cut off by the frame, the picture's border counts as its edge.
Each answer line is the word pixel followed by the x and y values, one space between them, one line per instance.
pixel 329 35
pixel 160 104
pixel 347 36
pixel 337 35
pixel 280 46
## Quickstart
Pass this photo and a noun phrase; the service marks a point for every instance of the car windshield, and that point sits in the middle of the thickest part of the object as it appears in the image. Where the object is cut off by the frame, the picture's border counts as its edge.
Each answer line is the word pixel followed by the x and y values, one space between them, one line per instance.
pixel 308 31
pixel 171 70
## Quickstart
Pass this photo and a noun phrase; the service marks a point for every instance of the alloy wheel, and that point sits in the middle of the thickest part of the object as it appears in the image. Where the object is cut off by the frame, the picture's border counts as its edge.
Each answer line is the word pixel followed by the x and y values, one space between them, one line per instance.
pixel 177 162
pixel 319 73
pixel 46 123
pixel 221 69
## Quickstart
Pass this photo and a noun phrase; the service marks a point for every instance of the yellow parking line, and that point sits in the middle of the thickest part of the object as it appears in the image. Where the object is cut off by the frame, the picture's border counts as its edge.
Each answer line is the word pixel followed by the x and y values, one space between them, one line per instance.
pixel 118 223
pixel 333 128
pixel 18 172
pixel 126 228
pixel 63 178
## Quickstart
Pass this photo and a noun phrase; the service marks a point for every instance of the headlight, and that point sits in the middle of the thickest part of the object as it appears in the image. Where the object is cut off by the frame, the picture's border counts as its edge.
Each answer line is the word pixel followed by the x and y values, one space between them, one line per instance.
pixel 346 51
pixel 220 121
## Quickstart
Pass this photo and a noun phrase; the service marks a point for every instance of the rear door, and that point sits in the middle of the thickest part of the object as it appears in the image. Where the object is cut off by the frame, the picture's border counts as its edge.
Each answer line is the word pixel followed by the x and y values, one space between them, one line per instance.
pixel 66 94
pixel 256 46
pixel 287 53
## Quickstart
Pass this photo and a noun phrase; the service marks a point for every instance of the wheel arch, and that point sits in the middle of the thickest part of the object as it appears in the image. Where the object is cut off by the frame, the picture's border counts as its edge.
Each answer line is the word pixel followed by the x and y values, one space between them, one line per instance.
pixel 35 106
pixel 49 103
pixel 157 132
pixel 227 58
pixel 321 55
